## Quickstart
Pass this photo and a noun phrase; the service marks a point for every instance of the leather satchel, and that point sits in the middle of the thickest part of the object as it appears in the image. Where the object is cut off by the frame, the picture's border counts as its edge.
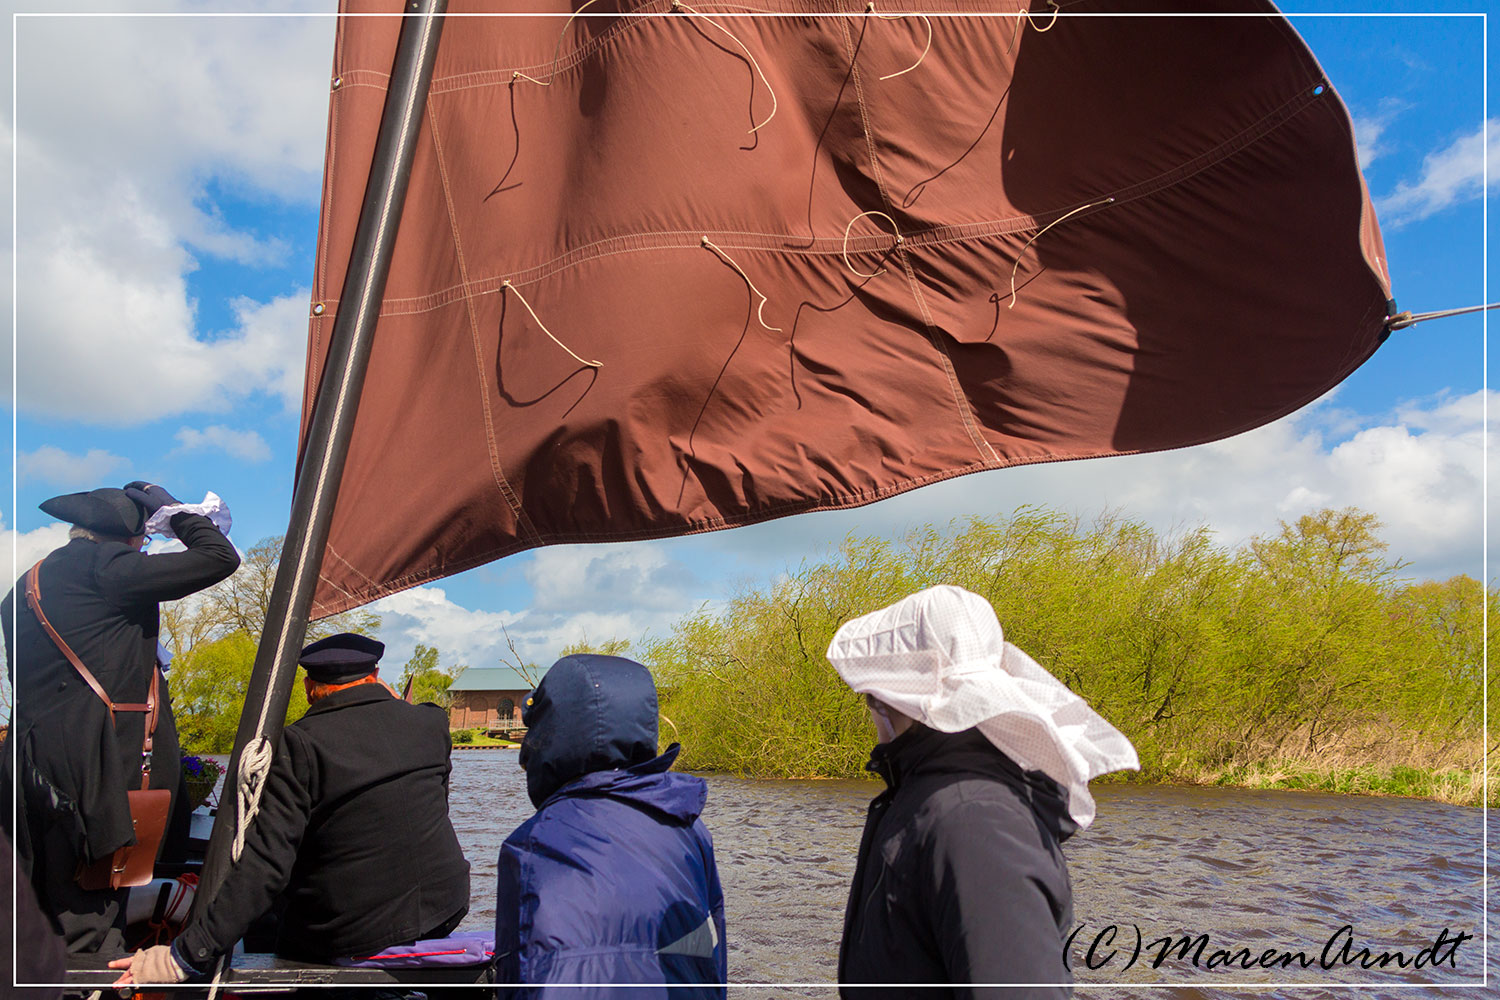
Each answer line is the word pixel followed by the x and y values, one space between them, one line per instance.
pixel 133 864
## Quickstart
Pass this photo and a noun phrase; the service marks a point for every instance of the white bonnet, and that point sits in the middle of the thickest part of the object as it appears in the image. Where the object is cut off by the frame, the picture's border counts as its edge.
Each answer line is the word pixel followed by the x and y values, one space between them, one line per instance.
pixel 939 656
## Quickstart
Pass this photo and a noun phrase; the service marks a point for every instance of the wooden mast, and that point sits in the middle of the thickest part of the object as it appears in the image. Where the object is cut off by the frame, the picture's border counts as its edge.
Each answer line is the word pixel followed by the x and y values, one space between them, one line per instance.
pixel 327 444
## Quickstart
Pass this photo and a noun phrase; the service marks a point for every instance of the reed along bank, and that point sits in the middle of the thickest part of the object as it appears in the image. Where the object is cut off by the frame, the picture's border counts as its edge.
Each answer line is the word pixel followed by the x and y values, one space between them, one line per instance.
pixel 1302 659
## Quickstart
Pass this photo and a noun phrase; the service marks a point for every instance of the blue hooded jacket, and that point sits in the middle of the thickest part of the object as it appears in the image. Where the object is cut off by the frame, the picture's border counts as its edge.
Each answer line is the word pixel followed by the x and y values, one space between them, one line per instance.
pixel 613 880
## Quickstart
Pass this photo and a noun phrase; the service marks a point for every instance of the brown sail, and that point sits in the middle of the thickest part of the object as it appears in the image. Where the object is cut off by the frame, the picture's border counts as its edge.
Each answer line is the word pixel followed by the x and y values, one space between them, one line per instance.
pixel 677 268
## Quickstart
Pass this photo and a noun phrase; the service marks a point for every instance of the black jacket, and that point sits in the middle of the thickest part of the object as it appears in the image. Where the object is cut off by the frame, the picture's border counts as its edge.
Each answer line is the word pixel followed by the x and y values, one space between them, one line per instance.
pixel 960 878
pixel 102 597
pixel 354 827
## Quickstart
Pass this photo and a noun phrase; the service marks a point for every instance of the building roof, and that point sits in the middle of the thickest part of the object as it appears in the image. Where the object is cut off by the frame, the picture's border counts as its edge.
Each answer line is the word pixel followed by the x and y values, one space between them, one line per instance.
pixel 491 679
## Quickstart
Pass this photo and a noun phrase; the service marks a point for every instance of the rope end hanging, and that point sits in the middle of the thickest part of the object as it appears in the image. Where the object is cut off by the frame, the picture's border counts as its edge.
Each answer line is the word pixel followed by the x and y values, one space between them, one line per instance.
pixel 1056 9
pixel 845 252
pixel 926 21
pixel 1024 14
pixel 678 5
pixel 1017 266
pixel 507 286
pixel 760 311
pixel 556 51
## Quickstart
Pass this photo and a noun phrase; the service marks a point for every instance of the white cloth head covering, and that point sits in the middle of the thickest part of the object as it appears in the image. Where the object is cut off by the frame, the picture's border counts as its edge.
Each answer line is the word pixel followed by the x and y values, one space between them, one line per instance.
pixel 940 657
pixel 212 507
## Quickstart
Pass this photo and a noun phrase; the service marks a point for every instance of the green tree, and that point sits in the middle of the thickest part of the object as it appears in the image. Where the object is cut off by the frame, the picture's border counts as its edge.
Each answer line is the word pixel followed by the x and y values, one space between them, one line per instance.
pixel 213 636
pixel 428 682
pixel 1300 650
pixel 609 647
pixel 423 659
pixel 208 692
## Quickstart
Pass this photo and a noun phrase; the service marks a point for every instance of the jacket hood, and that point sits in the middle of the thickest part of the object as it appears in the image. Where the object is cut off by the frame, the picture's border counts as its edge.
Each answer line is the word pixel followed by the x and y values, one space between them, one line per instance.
pixel 590 713
pixel 649 785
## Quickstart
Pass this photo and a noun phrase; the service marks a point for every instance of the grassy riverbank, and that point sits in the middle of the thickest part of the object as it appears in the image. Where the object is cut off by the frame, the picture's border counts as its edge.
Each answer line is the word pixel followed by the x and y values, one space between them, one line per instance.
pixel 1299 660
pixel 477 738
pixel 1455 786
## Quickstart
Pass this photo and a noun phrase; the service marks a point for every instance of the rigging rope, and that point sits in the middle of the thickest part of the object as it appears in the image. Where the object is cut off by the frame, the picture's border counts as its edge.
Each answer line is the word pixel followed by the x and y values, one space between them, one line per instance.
pixel 250 782
pixel 218 979
pixel 255 765
pixel 1402 320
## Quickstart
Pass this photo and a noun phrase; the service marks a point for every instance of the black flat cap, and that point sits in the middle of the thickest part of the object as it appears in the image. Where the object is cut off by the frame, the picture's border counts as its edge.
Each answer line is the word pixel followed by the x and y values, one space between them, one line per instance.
pixel 108 511
pixel 341 658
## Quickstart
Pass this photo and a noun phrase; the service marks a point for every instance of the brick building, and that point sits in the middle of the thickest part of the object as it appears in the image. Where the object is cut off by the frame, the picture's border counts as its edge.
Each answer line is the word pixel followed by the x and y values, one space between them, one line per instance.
pixel 488 696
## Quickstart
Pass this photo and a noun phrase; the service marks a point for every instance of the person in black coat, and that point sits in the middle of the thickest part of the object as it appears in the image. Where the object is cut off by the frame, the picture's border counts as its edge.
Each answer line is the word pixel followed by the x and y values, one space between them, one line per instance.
pixel 960 880
pixel 353 830
pixel 960 876
pixel 75 764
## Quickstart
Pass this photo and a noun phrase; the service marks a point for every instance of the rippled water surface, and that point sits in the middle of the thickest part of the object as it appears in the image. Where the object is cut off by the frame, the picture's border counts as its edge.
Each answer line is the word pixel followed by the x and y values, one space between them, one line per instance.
pixel 1252 870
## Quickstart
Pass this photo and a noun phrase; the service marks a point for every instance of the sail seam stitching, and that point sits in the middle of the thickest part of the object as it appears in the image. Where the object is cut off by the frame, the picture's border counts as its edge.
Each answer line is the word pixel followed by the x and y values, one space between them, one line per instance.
pixel 960 400
pixel 937 236
pixel 497 472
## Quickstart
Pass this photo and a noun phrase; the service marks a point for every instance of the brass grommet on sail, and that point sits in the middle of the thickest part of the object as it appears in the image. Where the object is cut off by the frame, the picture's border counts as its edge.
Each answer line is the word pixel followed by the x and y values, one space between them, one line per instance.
pixel 317 309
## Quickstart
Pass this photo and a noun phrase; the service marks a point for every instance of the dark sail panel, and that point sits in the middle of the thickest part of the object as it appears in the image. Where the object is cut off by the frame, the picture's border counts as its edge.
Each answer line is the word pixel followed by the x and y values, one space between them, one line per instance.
pixel 1116 235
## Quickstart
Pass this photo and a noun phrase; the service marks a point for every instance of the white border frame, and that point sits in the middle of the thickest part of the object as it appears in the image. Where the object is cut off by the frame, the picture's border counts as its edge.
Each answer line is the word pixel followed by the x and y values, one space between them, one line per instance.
pixel 17 16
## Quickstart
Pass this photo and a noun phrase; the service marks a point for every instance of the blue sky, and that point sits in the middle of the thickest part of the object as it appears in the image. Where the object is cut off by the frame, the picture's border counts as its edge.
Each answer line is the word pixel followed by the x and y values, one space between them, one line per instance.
pixel 167 176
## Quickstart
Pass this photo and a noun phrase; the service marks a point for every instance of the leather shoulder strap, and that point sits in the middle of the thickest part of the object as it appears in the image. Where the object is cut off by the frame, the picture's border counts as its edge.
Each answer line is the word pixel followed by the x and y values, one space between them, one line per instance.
pixel 34 600
pixel 151 706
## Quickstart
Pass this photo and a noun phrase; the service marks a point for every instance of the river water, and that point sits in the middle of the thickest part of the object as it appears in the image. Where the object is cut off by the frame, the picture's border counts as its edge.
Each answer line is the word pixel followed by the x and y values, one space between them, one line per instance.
pixel 1253 870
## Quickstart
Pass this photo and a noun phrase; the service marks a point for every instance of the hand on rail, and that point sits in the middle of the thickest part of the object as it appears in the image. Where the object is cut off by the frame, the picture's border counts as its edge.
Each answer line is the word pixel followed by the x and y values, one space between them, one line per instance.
pixel 153 965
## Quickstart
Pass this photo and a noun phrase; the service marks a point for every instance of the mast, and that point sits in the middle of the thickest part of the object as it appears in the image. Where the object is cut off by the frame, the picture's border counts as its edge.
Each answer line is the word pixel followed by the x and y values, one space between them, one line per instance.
pixel 332 423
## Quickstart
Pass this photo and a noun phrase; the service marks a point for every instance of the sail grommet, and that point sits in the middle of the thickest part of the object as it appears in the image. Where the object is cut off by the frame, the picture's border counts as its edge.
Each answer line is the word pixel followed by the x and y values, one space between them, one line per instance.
pixel 338 82
pixel 317 309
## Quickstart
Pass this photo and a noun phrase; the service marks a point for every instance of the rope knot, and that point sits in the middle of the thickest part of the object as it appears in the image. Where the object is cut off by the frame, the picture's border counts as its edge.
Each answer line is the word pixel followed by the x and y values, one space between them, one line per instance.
pixel 255 766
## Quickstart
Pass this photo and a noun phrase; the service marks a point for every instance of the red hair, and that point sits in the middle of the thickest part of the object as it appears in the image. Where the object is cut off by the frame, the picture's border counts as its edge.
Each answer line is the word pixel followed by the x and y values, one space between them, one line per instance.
pixel 322 689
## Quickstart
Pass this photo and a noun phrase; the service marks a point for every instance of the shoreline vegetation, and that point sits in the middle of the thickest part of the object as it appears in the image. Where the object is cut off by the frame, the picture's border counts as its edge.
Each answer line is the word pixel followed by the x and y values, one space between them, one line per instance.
pixel 1299 660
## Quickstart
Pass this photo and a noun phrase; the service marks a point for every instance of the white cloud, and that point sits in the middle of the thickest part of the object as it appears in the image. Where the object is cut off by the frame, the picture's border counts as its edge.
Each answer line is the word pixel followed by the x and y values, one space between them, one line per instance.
pixel 578 591
pixel 574 579
pixel 247 446
pixel 426 615
pixel 1449 176
pixel 1367 133
pixel 26 548
pixel 50 464
pixel 126 352
pixel 1371 129
pixel 129 129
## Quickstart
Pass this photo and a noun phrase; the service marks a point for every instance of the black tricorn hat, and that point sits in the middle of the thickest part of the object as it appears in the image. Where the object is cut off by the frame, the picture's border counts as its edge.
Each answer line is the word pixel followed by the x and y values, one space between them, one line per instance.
pixel 108 511
pixel 340 658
